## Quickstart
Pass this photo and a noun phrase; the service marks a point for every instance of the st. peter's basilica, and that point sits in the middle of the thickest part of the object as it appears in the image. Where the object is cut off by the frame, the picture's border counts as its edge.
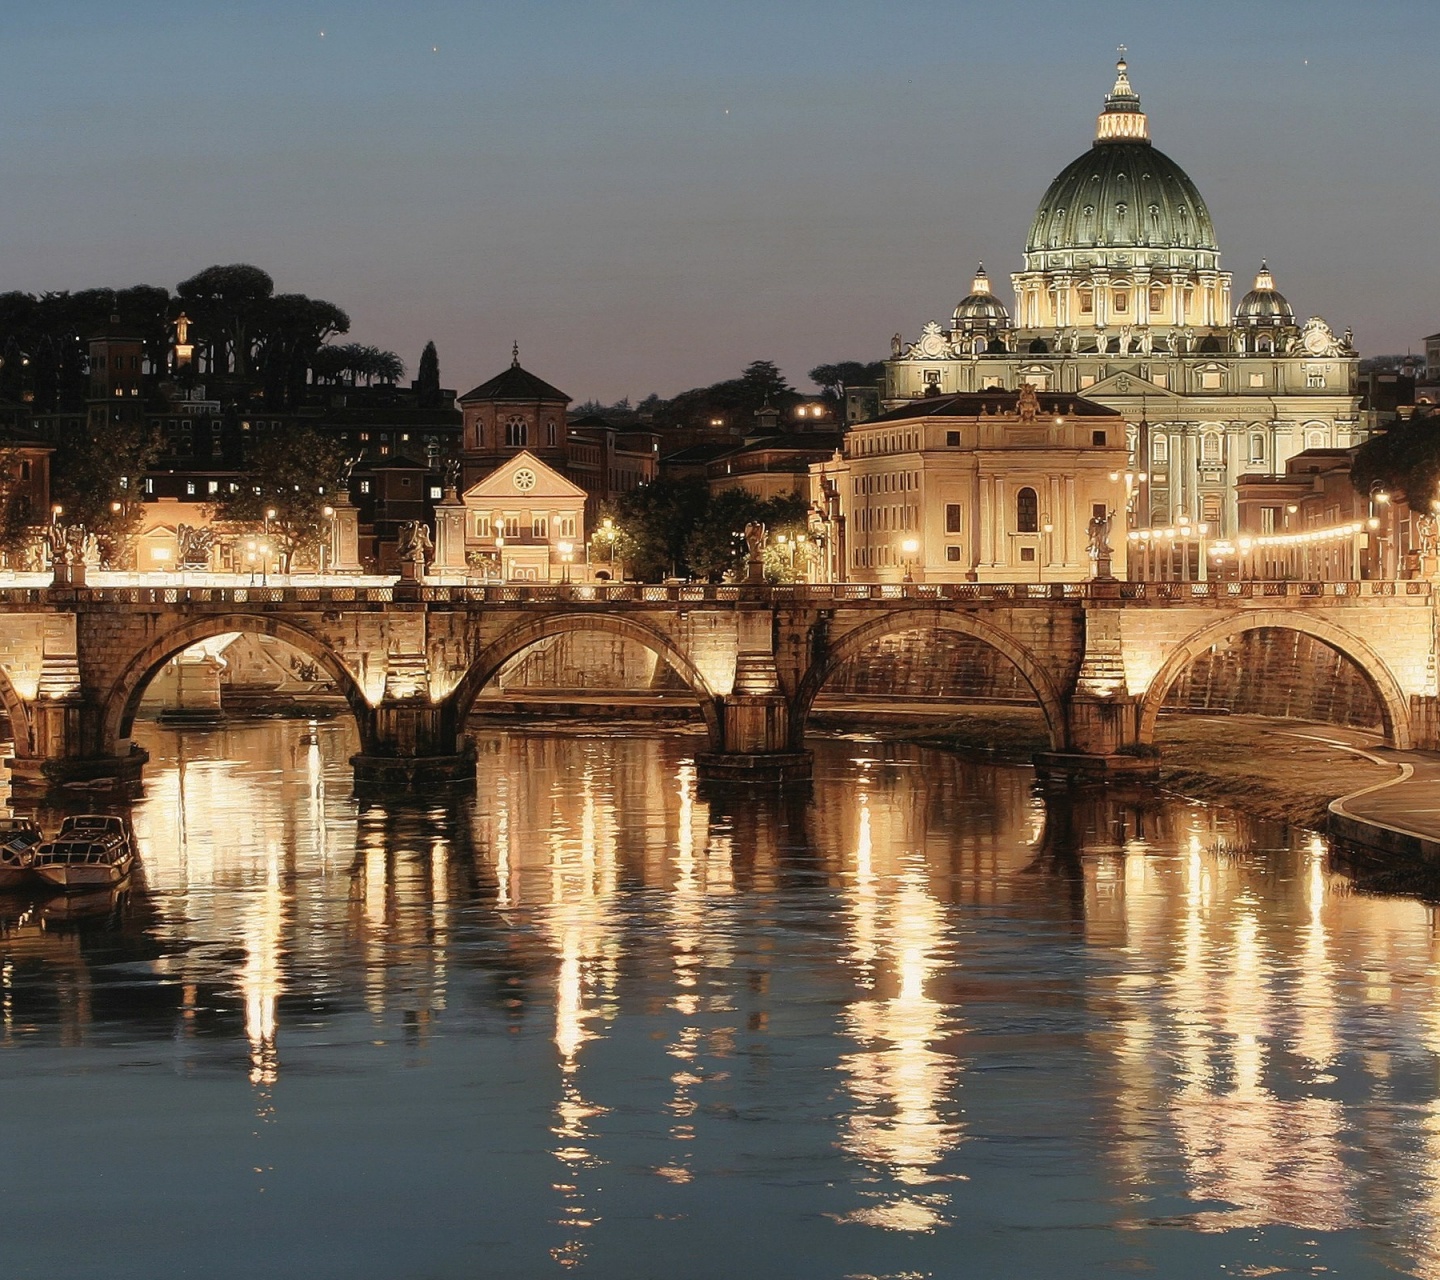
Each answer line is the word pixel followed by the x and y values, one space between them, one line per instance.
pixel 1122 300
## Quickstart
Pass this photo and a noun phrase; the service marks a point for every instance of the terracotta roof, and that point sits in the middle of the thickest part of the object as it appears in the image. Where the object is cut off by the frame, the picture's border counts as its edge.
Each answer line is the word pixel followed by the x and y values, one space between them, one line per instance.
pixel 974 404
pixel 515 384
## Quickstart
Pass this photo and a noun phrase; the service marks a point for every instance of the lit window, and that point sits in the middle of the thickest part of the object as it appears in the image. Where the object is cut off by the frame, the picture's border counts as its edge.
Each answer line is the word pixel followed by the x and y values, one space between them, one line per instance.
pixel 435 493
pixel 1314 378
pixel 212 486
pixel 189 488
pixel 364 486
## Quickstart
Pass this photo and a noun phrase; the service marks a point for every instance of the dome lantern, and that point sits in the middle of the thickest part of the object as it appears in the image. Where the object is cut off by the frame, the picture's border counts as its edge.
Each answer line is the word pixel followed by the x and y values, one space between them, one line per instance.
pixel 1122 120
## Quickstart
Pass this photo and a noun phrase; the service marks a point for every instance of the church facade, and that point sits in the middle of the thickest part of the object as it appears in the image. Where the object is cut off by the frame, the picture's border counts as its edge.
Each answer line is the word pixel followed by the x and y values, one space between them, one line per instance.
pixel 1122 300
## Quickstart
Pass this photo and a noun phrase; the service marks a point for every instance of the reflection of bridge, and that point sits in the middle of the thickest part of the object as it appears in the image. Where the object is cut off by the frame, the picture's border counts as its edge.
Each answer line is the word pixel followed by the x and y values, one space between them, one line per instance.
pixel 410 660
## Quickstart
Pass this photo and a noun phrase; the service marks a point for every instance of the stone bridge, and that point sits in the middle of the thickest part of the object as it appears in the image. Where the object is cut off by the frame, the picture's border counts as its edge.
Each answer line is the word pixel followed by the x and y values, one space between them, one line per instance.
pixel 411 659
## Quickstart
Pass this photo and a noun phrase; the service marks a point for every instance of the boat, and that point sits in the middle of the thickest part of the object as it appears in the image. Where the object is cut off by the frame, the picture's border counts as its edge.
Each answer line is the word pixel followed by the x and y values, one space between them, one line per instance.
pixel 90 851
pixel 18 838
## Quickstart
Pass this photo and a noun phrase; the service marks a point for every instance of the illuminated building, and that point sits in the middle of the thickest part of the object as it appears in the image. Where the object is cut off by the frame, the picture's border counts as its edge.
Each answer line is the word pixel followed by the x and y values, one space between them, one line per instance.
pixel 998 486
pixel 1122 299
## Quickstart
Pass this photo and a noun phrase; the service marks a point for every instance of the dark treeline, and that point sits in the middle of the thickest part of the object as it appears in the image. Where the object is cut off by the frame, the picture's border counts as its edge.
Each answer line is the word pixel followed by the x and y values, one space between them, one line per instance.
pixel 266 346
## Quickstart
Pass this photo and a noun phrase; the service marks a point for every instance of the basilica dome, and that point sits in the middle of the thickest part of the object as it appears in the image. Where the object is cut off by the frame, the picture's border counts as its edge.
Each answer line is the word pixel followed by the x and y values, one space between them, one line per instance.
pixel 1264 304
pixel 981 309
pixel 1123 192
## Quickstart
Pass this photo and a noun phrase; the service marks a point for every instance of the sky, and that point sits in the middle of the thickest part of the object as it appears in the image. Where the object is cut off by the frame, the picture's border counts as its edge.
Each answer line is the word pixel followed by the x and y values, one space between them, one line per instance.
pixel 649 194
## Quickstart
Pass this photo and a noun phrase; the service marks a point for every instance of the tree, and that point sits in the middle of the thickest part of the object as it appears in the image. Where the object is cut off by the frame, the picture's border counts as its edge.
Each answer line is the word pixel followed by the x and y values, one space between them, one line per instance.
pixel 716 544
pixel 1404 461
pixel 653 523
pixel 98 471
pixel 290 330
pixel 225 304
pixel 294 474
pixel 832 379
pixel 427 378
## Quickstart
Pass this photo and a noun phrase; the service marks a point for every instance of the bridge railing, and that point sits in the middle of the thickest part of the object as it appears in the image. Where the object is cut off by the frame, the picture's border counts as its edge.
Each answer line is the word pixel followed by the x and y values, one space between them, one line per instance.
pixel 583 593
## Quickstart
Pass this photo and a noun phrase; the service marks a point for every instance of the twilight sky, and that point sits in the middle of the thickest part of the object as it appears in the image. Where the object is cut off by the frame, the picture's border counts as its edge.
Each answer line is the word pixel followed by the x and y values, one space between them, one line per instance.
pixel 648 194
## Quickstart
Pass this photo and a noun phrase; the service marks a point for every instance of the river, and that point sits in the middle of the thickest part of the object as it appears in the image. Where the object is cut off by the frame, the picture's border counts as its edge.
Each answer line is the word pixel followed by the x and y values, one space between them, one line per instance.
pixel 922 1023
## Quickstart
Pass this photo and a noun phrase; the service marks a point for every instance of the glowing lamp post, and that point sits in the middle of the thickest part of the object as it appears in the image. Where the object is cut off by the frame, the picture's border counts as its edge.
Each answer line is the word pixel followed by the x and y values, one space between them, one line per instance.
pixel 567 553
pixel 910 548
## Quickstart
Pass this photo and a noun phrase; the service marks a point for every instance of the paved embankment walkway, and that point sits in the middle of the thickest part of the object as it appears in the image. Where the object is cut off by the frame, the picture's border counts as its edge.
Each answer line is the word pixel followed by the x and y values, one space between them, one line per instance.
pixel 1400 814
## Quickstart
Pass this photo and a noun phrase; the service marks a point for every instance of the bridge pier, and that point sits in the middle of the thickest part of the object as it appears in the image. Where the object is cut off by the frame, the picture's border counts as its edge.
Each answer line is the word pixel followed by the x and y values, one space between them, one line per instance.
pixel 755 729
pixel 413 744
pixel 63 726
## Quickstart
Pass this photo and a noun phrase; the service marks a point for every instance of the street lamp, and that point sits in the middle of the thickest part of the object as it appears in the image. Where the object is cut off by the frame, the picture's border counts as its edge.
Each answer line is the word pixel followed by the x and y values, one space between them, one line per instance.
pixel 567 552
pixel 500 556
pixel 1047 529
pixel 909 548
pixel 327 550
pixel 265 546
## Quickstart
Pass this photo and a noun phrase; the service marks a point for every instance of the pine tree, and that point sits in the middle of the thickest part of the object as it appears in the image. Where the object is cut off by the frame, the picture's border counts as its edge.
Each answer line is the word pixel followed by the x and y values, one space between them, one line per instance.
pixel 427 377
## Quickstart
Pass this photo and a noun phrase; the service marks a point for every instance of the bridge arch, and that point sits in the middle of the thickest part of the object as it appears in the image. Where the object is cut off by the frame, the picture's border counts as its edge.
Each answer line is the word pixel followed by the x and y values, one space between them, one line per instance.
pixel 520 637
pixel 1041 683
pixel 1394 706
pixel 122 699
pixel 18 711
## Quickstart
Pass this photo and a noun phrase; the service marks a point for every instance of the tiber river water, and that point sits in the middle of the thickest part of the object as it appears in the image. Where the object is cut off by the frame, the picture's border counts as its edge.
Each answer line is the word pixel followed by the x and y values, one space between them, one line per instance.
pixel 595 1023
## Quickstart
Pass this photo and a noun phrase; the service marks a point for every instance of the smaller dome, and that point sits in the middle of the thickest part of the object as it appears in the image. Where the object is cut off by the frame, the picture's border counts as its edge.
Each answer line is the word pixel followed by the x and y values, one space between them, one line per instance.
pixel 981 309
pixel 1264 304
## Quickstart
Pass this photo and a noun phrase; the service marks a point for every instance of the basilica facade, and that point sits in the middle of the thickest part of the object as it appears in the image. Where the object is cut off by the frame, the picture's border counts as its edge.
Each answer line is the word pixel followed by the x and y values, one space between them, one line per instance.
pixel 1122 300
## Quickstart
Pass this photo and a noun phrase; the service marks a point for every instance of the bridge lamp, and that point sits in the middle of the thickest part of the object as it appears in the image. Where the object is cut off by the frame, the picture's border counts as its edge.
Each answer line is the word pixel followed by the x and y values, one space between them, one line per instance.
pixel 910 547
pixel 1373 523
pixel 567 552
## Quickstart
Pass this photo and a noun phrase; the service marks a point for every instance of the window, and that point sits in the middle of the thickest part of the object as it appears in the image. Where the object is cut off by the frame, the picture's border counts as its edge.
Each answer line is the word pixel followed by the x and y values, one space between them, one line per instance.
pixel 1314 378
pixel 1210 447
pixel 1159 448
pixel 1087 301
pixel 1315 439
pixel 952 439
pixel 1257 447
pixel 189 488
pixel 550 433
pixel 24 471
pixel 1086 380
pixel 404 482
pixel 1267 519
pixel 953 518
pixel 436 493
pixel 149 485
pixel 1098 510
pixel 516 435
pixel 213 486
pixel 1097 438
pixel 1122 301
pixel 1160 379
pixel 364 486
pixel 952 553
pixel 1157 299
pixel 990 384
pixel 511 526
pixel 482 525
pixel 1210 380
pixel 1027 555
pixel 539 525
pixel 1210 512
pixel 567 526
pixel 1027 511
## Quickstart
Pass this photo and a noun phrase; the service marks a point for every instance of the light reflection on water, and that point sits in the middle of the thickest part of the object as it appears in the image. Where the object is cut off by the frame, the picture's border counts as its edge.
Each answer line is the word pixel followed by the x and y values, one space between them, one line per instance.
pixel 600 1021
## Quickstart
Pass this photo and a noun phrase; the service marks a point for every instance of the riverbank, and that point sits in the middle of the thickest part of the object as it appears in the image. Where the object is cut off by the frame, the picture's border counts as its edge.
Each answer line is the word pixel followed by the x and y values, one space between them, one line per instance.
pixel 1286 771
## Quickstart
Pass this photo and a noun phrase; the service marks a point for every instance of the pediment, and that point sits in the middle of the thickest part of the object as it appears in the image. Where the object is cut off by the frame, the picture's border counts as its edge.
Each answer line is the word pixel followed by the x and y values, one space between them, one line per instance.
pixel 1128 386
pixel 537 482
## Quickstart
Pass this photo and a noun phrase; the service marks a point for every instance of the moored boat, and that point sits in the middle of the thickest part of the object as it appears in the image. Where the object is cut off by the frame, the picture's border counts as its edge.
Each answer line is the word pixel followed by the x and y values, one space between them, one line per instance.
pixel 91 851
pixel 18 839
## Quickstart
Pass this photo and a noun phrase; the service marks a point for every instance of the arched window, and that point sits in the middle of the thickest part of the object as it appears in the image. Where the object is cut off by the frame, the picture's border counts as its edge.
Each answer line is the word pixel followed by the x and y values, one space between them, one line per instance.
pixel 1257 447
pixel 1027 511
pixel 1159 448
pixel 550 433
pixel 516 436
pixel 1086 297
pixel 1157 299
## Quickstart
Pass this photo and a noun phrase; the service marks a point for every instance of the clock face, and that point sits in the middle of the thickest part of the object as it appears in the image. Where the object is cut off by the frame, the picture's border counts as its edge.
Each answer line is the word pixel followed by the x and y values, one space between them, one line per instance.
pixel 524 480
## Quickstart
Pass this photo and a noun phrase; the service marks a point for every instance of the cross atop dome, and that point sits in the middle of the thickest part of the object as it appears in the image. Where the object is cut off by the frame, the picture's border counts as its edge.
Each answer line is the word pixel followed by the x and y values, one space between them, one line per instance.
pixel 1122 120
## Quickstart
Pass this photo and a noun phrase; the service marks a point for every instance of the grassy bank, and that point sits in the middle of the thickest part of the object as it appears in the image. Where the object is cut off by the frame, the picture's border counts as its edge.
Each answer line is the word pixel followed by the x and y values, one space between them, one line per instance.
pixel 1271 769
